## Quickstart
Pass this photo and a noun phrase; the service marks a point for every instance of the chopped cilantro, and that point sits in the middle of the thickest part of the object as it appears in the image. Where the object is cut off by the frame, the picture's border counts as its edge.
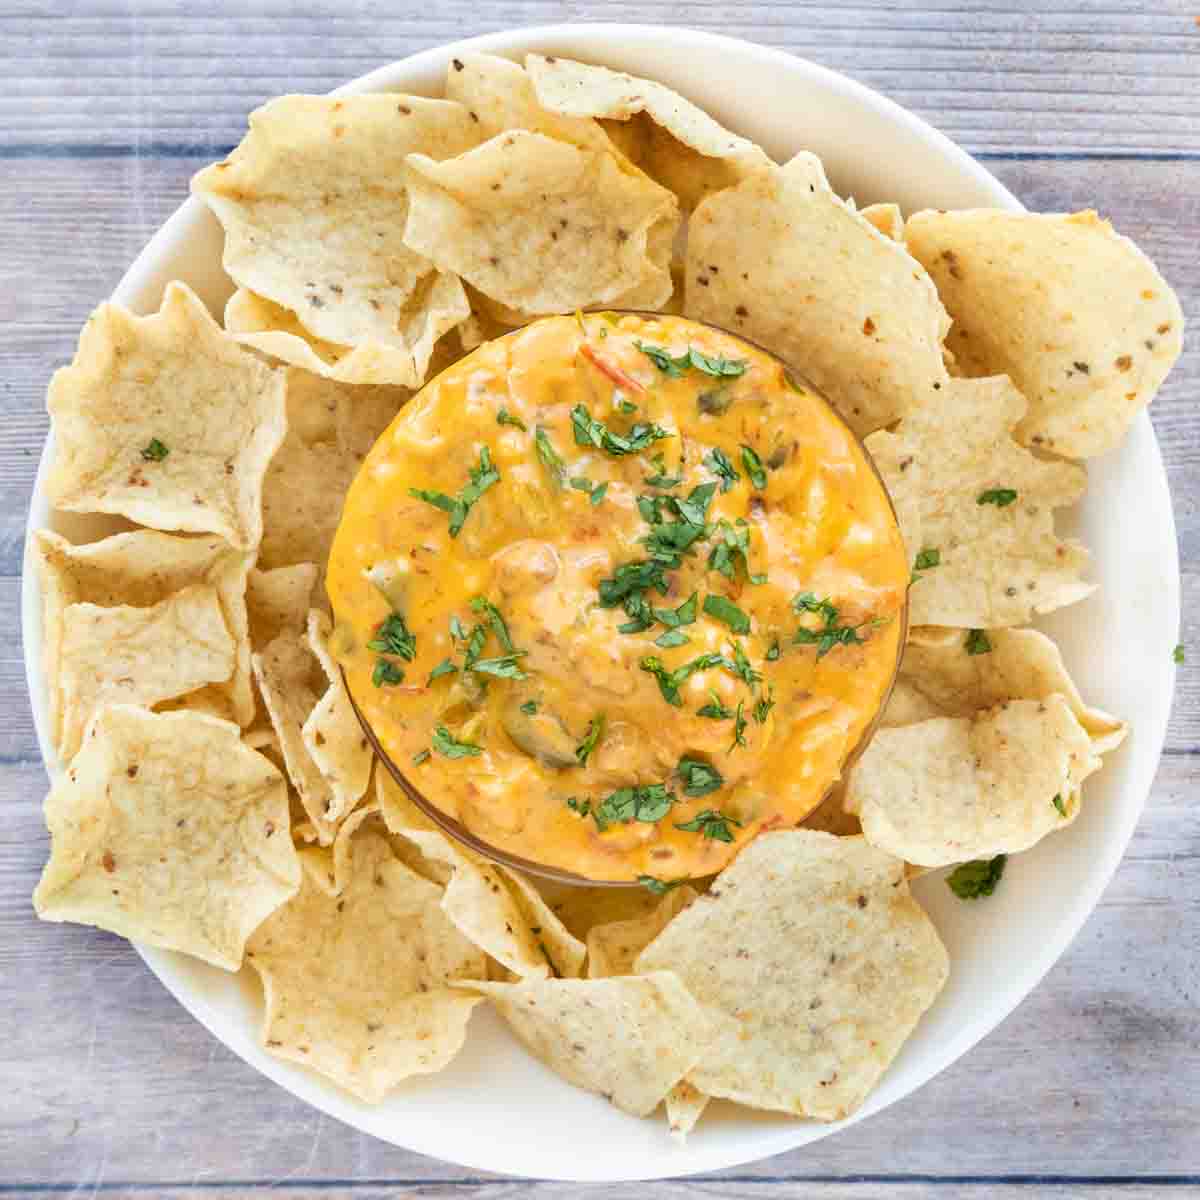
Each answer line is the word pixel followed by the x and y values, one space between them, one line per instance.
pixel 718 366
pixel 550 457
pixel 447 745
pixel 481 605
pixel 673 618
pixel 660 887
pixel 648 804
pixel 739 728
pixel 626 406
pixel 445 667
pixel 504 667
pixel 1177 653
pixel 731 553
pixel 715 402
pixel 927 559
pixel 504 417
pixel 978 878
pixel 421 757
pixel 773 651
pixel 393 637
pixel 699 778
pixel 669 682
pixel 386 673
pixel 457 632
pixel 711 824
pixel 582 807
pixel 717 461
pixel 630 578
pixel 723 609
pixel 589 431
pixel 763 708
pixel 529 708
pixel 663 481
pixel 977 642
pixel 154 451
pixel 483 477
pixel 672 637
pixel 1058 803
pixel 594 734
pixel 1000 497
pixel 476 640
pixel 598 493
pixel 754 467
pixel 675 366
pixel 828 635
pixel 715 710
pixel 742 668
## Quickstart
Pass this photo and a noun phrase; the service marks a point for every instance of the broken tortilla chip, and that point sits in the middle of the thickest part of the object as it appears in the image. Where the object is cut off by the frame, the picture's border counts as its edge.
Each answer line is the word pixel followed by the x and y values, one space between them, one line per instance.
pixel 165 420
pixel 1076 315
pixel 956 788
pixel 679 146
pixel 887 218
pixel 629 1039
pixel 313 203
pixel 613 947
pixel 565 952
pixel 538 224
pixel 356 984
pixel 814 946
pixel 868 334
pixel 684 1104
pixel 277 601
pixel 985 505
pixel 169 831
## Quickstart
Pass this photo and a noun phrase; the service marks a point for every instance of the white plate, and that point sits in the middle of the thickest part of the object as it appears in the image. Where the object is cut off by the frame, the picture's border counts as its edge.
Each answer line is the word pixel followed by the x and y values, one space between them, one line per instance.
pixel 496 1108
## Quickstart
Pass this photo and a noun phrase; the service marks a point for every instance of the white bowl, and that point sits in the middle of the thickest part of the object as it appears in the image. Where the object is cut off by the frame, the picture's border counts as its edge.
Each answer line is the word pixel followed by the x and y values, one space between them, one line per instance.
pixel 498 1109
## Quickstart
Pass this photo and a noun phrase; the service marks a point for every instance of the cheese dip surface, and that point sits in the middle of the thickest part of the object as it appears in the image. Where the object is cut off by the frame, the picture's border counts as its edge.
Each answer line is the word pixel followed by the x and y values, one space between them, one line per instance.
pixel 616 595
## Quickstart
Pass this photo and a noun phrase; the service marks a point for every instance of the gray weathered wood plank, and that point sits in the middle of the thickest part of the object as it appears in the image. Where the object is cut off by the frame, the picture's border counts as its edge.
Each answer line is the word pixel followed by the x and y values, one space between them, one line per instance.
pixel 1094 1074
pixel 1082 77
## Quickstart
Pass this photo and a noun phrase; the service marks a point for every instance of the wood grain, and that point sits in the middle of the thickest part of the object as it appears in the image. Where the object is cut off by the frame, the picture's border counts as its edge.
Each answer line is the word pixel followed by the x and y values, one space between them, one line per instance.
pixel 1090 1089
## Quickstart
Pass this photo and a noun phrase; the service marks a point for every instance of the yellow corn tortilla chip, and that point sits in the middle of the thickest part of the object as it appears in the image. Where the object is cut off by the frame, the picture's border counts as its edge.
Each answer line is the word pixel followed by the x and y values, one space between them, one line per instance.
pixel 629 1039
pixel 313 203
pixel 330 429
pixel 887 218
pixel 955 788
pixel 1076 315
pixel 356 984
pixel 613 947
pixel 277 601
pixel 684 1103
pixel 679 145
pixel 783 260
pixel 565 952
pixel 582 908
pixel 437 305
pixel 953 462
pixel 167 830
pixel 1021 664
pixel 141 568
pixel 167 421
pixel 327 755
pixel 814 946
pixel 143 656
pixel 538 224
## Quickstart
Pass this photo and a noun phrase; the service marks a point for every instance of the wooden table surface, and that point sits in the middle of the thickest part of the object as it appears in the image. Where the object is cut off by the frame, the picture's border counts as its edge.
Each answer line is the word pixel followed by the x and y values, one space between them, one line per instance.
pixel 1091 1088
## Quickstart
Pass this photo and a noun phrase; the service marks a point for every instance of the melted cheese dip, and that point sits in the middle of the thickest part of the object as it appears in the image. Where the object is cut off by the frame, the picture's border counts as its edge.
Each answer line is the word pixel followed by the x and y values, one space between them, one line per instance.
pixel 615 594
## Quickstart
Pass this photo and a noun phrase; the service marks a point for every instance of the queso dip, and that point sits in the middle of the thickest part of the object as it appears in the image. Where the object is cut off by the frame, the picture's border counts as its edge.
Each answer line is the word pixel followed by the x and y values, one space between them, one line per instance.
pixel 616 594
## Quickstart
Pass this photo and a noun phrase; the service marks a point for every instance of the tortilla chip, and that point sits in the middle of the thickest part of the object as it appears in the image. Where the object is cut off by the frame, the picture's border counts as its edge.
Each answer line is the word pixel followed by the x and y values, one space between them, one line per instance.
pixel 437 305
pixel 141 569
pixel 582 908
pixel 1075 314
pixel 167 421
pixel 277 601
pixel 140 656
pixel 355 984
pixel 331 427
pixel 814 946
pixel 538 224
pixel 327 755
pixel 999 562
pixel 565 952
pixel 784 261
pixel 313 203
pixel 678 144
pixel 887 218
pixel 168 831
pixel 684 1103
pixel 1021 664
pixel 630 1039
pixel 956 788
pixel 612 948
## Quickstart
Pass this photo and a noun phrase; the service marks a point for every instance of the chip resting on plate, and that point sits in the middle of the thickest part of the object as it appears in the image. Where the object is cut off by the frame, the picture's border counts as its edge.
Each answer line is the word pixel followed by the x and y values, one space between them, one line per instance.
pixel 678 144
pixel 887 218
pixel 949 673
pixel 613 947
pixel 786 263
pixel 313 202
pixel 629 1039
pixel 538 224
pixel 437 305
pixel 684 1103
pixel 356 984
pixel 166 420
pixel 983 505
pixel 950 789
pixel 327 755
pixel 141 569
pixel 167 830
pixel 814 946
pixel 1075 314
pixel 565 951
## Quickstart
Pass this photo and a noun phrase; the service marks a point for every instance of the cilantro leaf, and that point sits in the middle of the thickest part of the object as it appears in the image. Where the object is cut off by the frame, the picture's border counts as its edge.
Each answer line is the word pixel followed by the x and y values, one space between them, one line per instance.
pixel 978 878
pixel 529 708
pixel 496 620
pixel 447 745
pixel 420 758
pixel 504 667
pixel 630 578
pixel 742 668
pixel 673 618
pixel 829 634
pixel 754 467
pixel 711 824
pixel 154 451
pixel 977 642
pixel 1058 804
pixel 550 457
pixel 662 358
pixel 699 777
pixel 482 477
pixel 504 417
pixel 393 637
pixel 648 804
pixel 722 609
pixel 660 887
pixel 927 559
pixel 1000 497
pixel 590 431
pixel 715 710
pixel 591 740
pixel 445 667
pixel 739 728
pixel 773 651
pixel 717 461
pixel 672 638
pixel 674 367
pixel 582 807
pixel 1178 653
pixel 731 553
pixel 765 703
pixel 386 673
